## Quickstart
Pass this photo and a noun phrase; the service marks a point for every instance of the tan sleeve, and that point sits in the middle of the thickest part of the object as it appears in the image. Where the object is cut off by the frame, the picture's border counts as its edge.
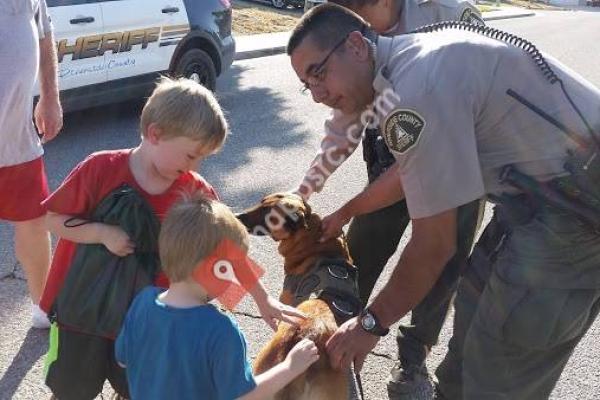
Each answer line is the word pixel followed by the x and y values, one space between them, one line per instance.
pixel 342 135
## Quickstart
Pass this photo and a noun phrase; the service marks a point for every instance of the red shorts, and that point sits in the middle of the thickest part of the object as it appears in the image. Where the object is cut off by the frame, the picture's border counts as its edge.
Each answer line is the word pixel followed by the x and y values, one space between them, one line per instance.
pixel 23 187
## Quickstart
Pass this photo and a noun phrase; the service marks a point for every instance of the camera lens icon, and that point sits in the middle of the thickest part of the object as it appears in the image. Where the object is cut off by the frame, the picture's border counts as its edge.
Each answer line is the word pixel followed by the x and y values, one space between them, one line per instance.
pixel 223 270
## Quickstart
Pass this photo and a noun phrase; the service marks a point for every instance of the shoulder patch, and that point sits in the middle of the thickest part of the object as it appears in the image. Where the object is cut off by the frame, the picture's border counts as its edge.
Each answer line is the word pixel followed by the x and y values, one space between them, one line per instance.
pixel 402 129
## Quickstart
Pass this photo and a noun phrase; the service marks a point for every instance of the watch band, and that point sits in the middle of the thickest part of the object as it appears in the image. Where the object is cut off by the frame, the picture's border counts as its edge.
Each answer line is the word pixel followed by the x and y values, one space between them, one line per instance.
pixel 376 329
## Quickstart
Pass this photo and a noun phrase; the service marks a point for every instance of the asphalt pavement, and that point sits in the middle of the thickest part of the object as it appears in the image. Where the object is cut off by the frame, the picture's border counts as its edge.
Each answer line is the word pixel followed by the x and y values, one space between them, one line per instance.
pixel 275 132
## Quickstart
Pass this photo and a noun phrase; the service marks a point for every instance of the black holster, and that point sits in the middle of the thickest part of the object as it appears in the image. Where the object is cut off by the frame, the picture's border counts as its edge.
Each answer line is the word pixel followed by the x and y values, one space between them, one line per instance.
pixel 576 193
pixel 514 210
pixel 376 154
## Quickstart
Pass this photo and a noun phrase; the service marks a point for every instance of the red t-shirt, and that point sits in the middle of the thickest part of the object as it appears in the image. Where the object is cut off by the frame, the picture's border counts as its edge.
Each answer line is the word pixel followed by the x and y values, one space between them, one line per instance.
pixel 90 182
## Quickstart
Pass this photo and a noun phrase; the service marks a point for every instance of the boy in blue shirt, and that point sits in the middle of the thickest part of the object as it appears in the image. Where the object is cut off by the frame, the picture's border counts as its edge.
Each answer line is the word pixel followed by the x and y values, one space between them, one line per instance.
pixel 174 344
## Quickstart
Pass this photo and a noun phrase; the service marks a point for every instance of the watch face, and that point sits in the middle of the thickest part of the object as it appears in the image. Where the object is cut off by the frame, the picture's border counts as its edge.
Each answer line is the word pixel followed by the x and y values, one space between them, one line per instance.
pixel 368 322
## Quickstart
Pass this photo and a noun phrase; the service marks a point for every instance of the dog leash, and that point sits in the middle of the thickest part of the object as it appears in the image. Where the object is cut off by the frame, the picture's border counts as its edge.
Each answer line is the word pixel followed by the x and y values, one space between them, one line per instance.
pixel 361 393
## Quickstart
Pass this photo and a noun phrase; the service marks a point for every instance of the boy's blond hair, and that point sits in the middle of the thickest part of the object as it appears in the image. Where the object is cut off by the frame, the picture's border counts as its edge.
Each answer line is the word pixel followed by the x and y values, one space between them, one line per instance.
pixel 182 107
pixel 192 230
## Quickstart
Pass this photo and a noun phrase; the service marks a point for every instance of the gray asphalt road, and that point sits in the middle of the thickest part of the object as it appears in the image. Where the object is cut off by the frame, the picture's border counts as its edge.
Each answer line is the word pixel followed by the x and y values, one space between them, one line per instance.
pixel 275 131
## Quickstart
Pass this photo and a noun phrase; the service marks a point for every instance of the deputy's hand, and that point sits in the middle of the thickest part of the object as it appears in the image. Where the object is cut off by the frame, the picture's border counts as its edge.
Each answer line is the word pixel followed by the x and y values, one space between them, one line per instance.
pixel 350 343
pixel 116 240
pixel 301 191
pixel 273 310
pixel 48 115
pixel 331 226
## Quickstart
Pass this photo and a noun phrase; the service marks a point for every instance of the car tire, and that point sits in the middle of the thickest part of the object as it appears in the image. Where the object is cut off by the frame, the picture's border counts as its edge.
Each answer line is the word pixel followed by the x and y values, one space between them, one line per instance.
pixel 197 65
pixel 279 3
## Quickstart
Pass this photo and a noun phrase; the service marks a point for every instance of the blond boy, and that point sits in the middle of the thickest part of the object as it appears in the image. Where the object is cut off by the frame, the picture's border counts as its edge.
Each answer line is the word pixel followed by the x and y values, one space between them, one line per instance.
pixel 174 344
pixel 181 124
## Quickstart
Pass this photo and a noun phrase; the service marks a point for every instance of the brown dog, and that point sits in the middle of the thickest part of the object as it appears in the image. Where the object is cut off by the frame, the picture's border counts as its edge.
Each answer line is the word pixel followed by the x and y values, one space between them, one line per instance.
pixel 288 219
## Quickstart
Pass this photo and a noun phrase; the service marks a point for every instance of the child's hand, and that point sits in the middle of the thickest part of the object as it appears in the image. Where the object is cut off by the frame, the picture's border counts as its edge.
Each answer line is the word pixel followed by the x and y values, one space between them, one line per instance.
pixel 273 310
pixel 302 355
pixel 116 240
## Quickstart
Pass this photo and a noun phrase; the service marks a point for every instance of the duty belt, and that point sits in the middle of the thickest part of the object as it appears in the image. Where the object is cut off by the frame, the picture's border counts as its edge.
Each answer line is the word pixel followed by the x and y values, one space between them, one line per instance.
pixel 331 280
pixel 569 194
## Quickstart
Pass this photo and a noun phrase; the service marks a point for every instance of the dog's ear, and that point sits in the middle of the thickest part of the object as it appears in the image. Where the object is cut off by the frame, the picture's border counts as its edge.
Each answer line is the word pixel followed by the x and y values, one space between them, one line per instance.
pixel 307 212
pixel 304 214
pixel 299 219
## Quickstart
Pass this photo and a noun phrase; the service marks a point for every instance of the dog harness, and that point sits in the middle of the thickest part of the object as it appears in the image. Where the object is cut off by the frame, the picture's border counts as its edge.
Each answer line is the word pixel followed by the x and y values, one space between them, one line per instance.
pixel 332 280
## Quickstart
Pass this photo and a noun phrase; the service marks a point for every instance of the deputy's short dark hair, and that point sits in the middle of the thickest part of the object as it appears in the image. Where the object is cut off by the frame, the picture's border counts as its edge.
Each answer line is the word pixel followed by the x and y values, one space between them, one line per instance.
pixel 354 4
pixel 329 23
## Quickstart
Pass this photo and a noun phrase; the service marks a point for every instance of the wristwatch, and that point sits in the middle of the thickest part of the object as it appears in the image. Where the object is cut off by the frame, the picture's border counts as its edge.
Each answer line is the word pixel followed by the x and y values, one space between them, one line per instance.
pixel 369 322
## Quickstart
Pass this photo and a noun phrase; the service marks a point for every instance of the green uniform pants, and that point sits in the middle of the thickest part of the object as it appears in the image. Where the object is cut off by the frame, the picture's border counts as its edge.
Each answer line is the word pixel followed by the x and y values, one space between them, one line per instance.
pixel 529 295
pixel 373 238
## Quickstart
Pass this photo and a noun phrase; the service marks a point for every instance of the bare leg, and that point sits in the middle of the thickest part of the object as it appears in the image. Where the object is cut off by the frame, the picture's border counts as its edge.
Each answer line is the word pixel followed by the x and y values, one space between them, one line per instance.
pixel 32 248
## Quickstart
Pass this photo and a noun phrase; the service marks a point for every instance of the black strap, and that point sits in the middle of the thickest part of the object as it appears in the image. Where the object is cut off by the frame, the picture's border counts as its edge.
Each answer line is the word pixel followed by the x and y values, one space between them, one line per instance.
pixel 70 222
pixel 361 393
pixel 331 280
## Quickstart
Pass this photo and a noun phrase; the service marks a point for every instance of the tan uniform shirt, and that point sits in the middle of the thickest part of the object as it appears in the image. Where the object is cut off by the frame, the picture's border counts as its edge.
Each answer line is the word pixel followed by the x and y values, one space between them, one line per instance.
pixel 455 127
pixel 343 132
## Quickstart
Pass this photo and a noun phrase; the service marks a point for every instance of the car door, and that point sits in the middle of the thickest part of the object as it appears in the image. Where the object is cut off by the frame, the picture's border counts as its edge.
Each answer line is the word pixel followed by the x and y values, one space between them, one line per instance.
pixel 149 31
pixel 78 32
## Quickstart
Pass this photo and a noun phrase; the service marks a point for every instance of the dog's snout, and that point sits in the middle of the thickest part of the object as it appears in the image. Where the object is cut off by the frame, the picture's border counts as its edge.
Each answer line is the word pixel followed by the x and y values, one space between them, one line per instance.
pixel 252 222
pixel 243 218
pixel 278 215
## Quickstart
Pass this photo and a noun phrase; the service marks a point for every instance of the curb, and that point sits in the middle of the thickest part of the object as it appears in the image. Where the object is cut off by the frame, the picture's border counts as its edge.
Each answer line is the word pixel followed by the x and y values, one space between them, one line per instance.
pixel 271 51
pixel 511 16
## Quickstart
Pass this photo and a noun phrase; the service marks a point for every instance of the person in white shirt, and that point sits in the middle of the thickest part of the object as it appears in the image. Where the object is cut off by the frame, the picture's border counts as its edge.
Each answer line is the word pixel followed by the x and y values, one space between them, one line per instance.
pixel 26 26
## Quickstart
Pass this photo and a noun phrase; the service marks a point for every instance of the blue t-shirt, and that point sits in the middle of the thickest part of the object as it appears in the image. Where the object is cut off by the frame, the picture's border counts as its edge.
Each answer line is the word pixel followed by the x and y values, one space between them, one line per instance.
pixel 182 353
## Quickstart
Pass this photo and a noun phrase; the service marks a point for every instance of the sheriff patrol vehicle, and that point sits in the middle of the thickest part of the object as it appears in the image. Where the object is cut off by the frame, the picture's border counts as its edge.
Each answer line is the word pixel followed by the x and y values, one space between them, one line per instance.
pixel 113 50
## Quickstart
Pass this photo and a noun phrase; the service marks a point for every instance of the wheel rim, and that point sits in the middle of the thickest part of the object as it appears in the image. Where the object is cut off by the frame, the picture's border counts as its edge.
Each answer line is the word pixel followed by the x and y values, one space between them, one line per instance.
pixel 196 73
pixel 278 3
pixel 195 77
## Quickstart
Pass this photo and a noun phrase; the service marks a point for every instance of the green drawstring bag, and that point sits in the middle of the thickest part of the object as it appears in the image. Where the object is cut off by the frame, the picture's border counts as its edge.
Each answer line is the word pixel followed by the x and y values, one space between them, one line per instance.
pixel 100 285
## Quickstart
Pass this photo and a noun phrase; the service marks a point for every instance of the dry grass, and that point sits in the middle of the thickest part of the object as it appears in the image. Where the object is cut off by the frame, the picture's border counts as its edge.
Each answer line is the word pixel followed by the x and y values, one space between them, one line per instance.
pixel 527 4
pixel 253 17
pixel 532 5
pixel 250 17
pixel 485 8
